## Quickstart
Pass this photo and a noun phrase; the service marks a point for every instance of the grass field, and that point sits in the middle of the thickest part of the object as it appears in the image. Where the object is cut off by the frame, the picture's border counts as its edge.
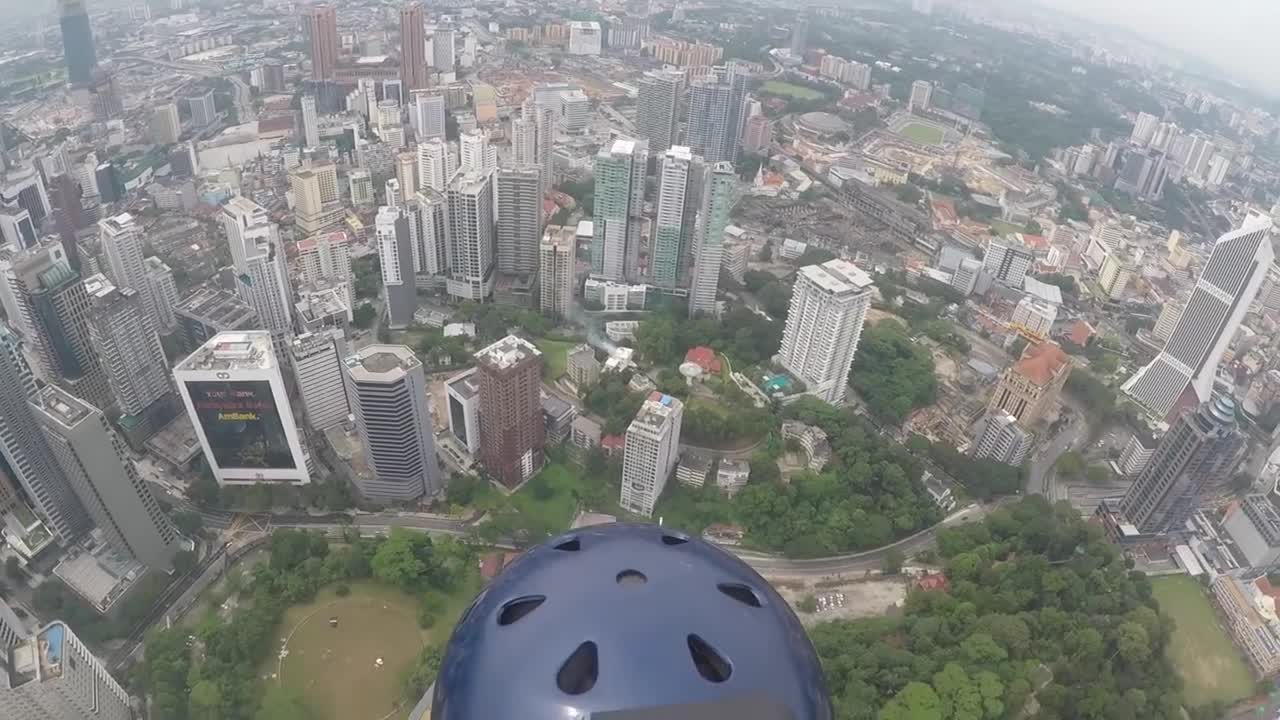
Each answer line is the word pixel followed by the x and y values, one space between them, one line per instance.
pixel 555 356
pixel 334 668
pixel 923 134
pixel 1209 664
pixel 788 90
pixel 1005 228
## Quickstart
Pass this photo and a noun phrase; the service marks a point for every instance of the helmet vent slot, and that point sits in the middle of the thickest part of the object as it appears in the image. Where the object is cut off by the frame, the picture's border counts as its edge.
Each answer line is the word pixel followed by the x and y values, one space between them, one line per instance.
pixel 518 608
pixel 579 672
pixel 741 593
pixel 631 577
pixel 711 666
pixel 572 544
pixel 674 540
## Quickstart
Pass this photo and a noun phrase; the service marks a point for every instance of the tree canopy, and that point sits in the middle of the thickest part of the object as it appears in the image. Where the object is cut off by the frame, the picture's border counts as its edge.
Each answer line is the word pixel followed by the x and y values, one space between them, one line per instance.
pixel 1040 607
pixel 891 373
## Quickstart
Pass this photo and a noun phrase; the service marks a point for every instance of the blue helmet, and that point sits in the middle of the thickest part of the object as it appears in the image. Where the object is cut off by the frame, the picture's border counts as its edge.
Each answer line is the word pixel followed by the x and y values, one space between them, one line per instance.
pixel 629 622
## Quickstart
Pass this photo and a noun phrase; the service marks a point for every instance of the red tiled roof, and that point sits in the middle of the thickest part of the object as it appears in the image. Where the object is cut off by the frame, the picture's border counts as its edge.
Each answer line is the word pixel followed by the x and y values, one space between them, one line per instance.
pixel 1041 362
pixel 705 358
pixel 933 581
pixel 610 442
pixel 1080 333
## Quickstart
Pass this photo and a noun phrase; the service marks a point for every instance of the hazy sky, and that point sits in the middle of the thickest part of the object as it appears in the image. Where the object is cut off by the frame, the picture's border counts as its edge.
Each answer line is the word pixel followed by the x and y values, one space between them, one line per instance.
pixel 1240 35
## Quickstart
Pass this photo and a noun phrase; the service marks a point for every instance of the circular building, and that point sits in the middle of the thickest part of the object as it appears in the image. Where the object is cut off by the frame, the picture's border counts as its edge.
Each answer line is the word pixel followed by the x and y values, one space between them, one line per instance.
pixel 821 124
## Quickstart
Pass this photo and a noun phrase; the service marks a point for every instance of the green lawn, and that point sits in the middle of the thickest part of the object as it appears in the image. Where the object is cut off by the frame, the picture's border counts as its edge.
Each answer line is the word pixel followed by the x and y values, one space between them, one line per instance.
pixel 555 356
pixel 1202 652
pixel 1004 228
pixel 550 500
pixel 788 90
pixel 923 134
pixel 335 668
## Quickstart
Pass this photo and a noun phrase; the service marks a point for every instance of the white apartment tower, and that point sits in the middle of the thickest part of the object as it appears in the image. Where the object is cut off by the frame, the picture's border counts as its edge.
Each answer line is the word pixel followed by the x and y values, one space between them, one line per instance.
pixel 657 110
pixel 262 278
pixel 1000 438
pixel 1182 375
pixel 477 154
pixel 326 258
pixel 824 324
pixel 427 115
pixel 53 676
pixel 317 366
pixel 1008 260
pixel 555 271
pixel 679 173
pixel 471 235
pixel 164 291
pixel 650 453
pixel 310 122
pixel 234 393
pixel 708 242
pixel 436 164
pixel 360 183
pixel 395 254
pixel 428 213
pixel 122 244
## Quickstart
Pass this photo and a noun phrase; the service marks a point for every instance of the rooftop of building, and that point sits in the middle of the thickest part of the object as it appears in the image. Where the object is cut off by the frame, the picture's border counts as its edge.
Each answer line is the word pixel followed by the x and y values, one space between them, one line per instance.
pixel 559 235
pixel 176 443
pixel 507 352
pixel 657 409
pixel 338 237
pixel 838 276
pixel 37 658
pixel 381 363
pixel 216 307
pixel 555 407
pixel 232 351
pixel 118 223
pixel 99 574
pixel 1042 290
pixel 61 405
pixel 1041 363
pixel 464 384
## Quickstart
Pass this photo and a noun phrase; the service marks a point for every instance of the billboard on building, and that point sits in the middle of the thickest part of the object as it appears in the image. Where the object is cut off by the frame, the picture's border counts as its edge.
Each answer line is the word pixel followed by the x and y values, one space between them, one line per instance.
pixel 242 424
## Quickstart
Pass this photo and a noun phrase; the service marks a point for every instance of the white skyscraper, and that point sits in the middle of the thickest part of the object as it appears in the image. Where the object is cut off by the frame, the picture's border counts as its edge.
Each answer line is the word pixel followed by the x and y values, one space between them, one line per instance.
pixel 427 115
pixel 327 258
pixel 122 244
pixel 317 366
pixel 1144 129
pixel 657 108
pixel 310 122
pixel 650 453
pixel 51 675
pixel 436 164
pixel 391 193
pixel 471 234
pixel 619 207
pixel 259 262
pixel 1002 439
pixel 519 224
pixel 555 271
pixel 428 213
pixel 361 185
pixel 716 116
pixel 708 243
pixel 679 172
pixel 824 324
pixel 234 393
pixel 387 390
pixel 524 141
pixel 477 154
pixel 1182 375
pixel 544 122
pixel 443 49
pixel 163 290
pixel 395 254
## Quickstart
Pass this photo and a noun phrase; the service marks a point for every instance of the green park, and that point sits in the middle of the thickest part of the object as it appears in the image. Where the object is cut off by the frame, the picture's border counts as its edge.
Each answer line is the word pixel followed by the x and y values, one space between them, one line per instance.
pixel 791 91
